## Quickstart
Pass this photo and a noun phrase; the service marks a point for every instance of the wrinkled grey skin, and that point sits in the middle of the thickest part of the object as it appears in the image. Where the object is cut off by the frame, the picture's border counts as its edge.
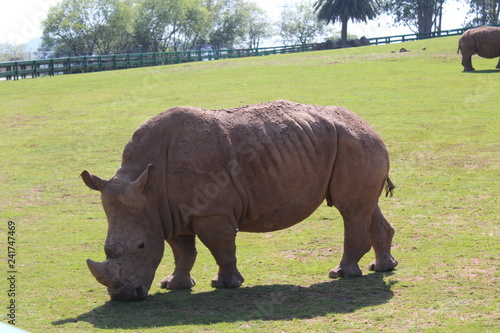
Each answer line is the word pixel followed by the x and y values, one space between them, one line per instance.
pixel 483 41
pixel 190 172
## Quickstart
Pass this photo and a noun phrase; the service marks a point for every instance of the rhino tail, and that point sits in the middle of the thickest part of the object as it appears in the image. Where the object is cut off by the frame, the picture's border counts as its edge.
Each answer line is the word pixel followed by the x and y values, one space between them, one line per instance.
pixel 389 187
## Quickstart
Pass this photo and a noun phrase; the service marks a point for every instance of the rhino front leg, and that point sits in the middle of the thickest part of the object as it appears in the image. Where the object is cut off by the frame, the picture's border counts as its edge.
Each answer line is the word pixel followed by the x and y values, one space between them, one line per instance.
pixel 356 243
pixel 185 253
pixel 381 236
pixel 219 236
pixel 498 65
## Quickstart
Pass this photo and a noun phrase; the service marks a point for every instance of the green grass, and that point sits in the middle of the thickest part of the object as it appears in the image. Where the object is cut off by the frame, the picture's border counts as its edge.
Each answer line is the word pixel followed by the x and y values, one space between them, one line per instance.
pixel 442 128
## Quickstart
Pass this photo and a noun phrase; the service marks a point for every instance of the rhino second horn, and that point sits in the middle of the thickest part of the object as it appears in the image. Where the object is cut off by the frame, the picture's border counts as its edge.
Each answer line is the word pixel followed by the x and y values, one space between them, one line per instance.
pixel 98 271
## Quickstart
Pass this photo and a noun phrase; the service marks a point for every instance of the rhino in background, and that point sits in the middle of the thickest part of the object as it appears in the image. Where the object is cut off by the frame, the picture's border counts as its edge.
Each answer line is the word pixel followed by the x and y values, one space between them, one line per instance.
pixel 485 41
pixel 211 173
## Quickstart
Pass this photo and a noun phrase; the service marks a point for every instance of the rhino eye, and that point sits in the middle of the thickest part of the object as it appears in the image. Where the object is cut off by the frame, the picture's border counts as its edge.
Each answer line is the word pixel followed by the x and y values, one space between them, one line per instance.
pixel 142 245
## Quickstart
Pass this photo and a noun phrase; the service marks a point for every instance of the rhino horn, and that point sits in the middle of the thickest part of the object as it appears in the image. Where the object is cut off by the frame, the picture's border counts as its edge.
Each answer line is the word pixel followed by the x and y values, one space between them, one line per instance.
pixel 135 192
pixel 98 270
pixel 144 179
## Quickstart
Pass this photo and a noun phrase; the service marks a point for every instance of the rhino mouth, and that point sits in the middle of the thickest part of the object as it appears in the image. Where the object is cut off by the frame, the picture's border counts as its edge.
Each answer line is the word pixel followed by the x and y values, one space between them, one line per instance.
pixel 137 292
pixel 108 274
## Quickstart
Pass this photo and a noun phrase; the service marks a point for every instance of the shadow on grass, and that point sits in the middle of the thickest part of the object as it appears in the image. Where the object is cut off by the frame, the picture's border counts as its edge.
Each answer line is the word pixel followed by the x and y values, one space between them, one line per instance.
pixel 482 71
pixel 272 302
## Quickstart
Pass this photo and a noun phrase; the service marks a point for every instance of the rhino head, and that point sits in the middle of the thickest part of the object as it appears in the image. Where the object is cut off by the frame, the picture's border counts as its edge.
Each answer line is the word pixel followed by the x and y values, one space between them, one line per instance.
pixel 135 243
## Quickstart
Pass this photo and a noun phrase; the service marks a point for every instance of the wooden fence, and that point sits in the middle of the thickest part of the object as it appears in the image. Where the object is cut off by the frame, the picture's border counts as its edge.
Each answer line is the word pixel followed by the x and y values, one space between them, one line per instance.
pixel 14 70
pixel 412 37
pixel 35 68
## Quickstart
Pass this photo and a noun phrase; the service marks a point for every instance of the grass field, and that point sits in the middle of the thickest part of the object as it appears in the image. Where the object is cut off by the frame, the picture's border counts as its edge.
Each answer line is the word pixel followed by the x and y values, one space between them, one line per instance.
pixel 442 129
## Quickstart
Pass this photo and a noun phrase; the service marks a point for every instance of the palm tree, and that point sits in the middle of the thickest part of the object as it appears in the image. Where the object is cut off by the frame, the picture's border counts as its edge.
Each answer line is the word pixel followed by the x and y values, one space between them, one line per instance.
pixel 344 10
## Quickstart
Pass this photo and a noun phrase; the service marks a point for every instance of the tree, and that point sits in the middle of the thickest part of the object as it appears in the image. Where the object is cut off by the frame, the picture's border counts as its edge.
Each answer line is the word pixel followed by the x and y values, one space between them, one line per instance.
pixel 421 16
pixel 103 26
pixel 257 24
pixel 65 28
pixel 88 26
pixel 299 25
pixel 114 31
pixel 332 11
pixel 227 23
pixel 161 25
pixel 193 29
pixel 11 52
pixel 483 12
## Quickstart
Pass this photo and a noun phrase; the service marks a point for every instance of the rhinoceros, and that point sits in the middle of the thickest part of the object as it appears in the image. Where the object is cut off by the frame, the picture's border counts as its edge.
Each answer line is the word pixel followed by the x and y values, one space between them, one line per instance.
pixel 191 172
pixel 485 41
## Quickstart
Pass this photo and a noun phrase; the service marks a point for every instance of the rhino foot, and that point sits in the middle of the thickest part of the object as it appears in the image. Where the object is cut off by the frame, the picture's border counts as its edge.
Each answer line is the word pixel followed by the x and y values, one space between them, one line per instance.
pixel 345 271
pixel 233 281
pixel 178 282
pixel 383 266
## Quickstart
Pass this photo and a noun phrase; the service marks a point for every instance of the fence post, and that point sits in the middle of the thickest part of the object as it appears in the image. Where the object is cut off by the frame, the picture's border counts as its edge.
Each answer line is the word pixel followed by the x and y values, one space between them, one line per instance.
pixel 8 69
pixel 33 69
pixel 69 65
pixel 51 67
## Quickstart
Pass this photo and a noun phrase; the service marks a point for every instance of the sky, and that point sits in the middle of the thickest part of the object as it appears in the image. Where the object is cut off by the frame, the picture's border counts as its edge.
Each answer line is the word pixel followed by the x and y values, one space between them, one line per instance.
pixel 21 19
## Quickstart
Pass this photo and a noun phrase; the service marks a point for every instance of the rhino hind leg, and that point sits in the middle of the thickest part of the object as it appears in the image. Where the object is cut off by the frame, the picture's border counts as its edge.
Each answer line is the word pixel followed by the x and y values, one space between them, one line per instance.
pixel 381 236
pixel 184 250
pixel 356 245
pixel 219 236
pixel 359 175
pixel 467 62
pixel 498 65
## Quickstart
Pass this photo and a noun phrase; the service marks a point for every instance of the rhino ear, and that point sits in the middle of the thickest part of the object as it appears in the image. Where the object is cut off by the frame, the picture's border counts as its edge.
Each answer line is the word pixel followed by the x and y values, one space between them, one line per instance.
pixel 144 179
pixel 93 182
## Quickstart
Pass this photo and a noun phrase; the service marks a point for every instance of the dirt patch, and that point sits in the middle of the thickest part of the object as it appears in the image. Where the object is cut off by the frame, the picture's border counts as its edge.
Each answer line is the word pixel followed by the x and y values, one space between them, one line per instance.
pixel 304 255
